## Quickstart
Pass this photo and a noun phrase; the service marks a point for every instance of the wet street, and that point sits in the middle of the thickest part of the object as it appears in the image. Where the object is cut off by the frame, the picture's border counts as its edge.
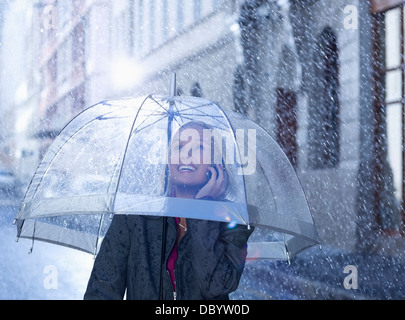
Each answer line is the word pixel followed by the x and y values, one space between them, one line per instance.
pixel 49 272
pixel 55 272
pixel 325 274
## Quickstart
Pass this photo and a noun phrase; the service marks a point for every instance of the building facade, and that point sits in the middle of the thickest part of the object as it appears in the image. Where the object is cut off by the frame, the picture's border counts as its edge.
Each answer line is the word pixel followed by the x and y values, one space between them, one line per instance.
pixel 325 78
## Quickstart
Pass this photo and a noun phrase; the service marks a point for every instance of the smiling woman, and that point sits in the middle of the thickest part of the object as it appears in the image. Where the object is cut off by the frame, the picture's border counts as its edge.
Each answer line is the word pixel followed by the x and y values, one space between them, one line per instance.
pixel 204 259
pixel 193 172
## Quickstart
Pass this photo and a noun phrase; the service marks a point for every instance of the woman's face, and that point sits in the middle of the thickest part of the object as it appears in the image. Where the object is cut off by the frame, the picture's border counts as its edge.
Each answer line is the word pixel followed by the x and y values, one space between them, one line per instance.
pixel 191 154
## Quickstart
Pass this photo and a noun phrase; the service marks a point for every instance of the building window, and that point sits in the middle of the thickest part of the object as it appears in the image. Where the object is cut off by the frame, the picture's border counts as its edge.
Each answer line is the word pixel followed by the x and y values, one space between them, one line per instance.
pixel 323 124
pixel 152 22
pixel 239 92
pixel 287 125
pixel 165 20
pixel 180 15
pixel 389 113
pixel 131 38
pixel 141 27
pixel 197 10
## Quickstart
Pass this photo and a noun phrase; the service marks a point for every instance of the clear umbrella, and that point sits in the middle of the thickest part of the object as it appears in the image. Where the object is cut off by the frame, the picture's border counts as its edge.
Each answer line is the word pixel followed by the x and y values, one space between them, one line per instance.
pixel 113 159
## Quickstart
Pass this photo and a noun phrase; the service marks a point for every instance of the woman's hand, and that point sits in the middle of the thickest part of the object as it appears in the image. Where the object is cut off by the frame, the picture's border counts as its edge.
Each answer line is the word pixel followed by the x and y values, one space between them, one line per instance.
pixel 216 185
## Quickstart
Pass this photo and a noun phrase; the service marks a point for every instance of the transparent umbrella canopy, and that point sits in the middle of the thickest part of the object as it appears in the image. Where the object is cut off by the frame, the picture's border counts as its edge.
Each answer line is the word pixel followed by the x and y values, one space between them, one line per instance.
pixel 112 159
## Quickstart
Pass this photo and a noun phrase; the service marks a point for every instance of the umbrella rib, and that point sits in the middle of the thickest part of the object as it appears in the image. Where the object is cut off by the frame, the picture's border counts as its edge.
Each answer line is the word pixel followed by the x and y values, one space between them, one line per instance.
pixel 188 116
pixel 175 119
pixel 146 117
pixel 177 113
pixel 124 154
pixel 159 104
pixel 165 113
pixel 191 107
pixel 208 115
pixel 98 234
pixel 197 108
pixel 218 125
pixel 148 125
pixel 153 112
pixel 268 183
pixel 214 118
pixel 66 139
pixel 181 114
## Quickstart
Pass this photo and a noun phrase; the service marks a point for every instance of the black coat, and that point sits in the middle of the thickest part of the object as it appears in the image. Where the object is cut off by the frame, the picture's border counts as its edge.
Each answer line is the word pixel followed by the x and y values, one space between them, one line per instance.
pixel 211 259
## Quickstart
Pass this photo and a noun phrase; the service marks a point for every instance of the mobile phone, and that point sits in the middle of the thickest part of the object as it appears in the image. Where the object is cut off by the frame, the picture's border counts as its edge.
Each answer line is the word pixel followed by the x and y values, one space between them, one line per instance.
pixel 209 173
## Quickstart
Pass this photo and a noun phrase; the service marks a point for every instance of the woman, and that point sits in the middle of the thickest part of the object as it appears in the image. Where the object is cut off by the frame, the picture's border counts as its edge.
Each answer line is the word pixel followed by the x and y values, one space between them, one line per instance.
pixel 204 259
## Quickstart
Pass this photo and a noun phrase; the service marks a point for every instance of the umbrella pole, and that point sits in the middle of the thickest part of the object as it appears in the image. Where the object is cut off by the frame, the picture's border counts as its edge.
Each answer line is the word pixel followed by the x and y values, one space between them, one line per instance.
pixel 162 259
pixel 164 226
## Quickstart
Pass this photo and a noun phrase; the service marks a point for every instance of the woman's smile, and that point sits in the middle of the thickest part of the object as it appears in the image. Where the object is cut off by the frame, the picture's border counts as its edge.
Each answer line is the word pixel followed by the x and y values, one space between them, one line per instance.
pixel 186 168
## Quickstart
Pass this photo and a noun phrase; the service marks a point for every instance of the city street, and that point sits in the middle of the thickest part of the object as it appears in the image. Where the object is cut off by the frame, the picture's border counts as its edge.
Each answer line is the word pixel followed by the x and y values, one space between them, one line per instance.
pixel 55 272
pixel 320 275
pixel 49 272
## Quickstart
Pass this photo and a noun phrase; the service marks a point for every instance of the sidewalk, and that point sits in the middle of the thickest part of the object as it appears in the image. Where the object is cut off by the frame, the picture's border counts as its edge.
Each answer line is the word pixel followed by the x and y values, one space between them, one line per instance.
pixel 314 274
pixel 317 274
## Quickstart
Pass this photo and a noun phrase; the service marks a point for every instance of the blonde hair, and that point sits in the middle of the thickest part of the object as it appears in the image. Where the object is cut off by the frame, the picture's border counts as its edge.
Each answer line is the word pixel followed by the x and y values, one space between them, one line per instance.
pixel 190 124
